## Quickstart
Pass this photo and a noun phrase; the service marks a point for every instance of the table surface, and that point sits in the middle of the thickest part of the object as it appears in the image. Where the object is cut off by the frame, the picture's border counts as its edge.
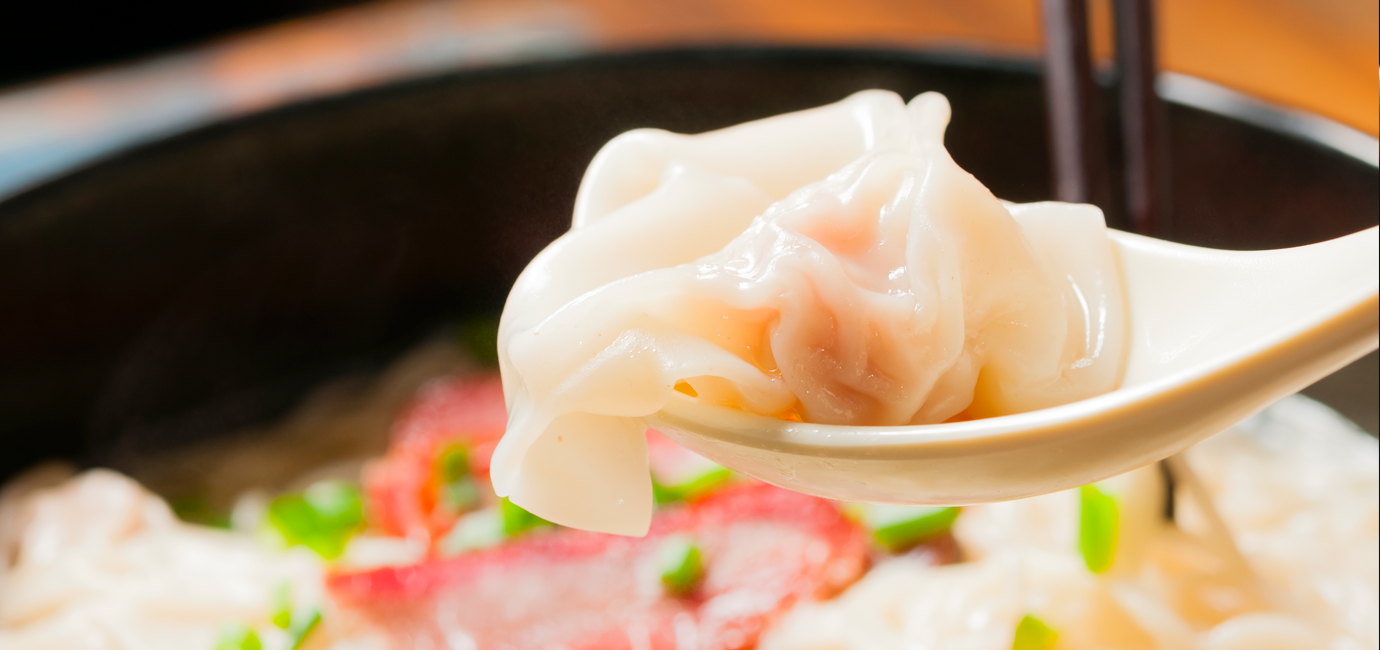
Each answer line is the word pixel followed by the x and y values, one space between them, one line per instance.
pixel 1315 55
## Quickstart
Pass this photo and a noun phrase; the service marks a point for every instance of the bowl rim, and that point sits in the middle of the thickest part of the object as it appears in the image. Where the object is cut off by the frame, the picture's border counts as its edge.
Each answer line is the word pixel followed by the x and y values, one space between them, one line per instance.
pixel 1172 87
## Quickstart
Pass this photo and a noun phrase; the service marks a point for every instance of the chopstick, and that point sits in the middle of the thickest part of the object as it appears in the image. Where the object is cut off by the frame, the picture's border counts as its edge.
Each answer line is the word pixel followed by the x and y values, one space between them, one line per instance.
pixel 1142 118
pixel 1075 131
pixel 1078 134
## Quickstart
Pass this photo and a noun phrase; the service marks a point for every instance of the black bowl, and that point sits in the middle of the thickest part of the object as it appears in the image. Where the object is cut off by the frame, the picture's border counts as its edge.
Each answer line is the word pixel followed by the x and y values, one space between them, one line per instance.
pixel 205 282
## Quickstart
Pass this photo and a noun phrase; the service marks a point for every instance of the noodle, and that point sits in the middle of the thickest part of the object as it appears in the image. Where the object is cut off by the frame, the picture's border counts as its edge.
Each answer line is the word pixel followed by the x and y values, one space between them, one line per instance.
pixel 1297 486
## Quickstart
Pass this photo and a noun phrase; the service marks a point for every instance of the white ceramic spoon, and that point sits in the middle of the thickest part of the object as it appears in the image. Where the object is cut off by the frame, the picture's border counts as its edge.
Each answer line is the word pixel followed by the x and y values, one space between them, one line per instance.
pixel 1215 337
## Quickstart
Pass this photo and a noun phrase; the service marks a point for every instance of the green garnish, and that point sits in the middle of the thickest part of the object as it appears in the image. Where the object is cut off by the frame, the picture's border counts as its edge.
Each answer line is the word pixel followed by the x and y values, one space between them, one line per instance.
pixel 516 520
pixel 472 531
pixel 453 463
pixel 460 495
pixel 1033 634
pixel 323 518
pixel 898 528
pixel 282 606
pixel 456 489
pixel 662 494
pixel 197 510
pixel 303 628
pixel 298 625
pixel 479 335
pixel 681 564
pixel 693 487
pixel 1098 523
pixel 239 637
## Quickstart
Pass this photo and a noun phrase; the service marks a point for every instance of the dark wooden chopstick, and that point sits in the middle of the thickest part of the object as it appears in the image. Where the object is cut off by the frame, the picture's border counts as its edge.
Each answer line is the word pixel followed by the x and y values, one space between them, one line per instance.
pixel 1075 124
pixel 1142 118
pixel 1078 132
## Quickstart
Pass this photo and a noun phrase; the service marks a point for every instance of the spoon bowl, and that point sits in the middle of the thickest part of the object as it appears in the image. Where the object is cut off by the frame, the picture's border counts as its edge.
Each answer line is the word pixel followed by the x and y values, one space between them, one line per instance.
pixel 1215 336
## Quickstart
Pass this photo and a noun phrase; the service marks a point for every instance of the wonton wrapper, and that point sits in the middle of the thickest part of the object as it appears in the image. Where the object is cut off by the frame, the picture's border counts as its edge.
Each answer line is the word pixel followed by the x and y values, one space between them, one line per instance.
pixel 833 263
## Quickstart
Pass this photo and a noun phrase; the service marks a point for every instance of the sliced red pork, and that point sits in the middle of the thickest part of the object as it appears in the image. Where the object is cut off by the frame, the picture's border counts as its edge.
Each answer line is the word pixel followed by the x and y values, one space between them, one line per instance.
pixel 763 548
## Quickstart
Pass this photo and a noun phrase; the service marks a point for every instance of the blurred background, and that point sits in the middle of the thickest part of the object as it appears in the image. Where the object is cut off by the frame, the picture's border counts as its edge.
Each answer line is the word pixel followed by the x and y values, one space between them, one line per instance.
pixel 144 336
pixel 79 80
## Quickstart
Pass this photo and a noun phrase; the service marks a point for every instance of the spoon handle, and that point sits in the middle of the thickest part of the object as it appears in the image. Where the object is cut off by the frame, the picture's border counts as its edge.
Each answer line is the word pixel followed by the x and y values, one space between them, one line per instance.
pixel 1194 306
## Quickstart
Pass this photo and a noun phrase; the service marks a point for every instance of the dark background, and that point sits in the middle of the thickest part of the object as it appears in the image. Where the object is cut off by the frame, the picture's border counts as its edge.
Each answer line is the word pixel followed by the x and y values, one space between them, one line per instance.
pixel 39 39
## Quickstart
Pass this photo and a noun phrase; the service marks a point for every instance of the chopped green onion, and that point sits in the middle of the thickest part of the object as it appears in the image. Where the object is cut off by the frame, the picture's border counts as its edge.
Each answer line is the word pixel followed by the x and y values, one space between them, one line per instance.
pixel 460 495
pixel 303 628
pixel 282 606
pixel 453 463
pixel 662 494
pixel 479 335
pixel 323 518
pixel 692 487
pixel 1033 634
pixel 456 490
pixel 898 528
pixel 291 515
pixel 336 502
pixel 1098 523
pixel 239 637
pixel 197 510
pixel 475 530
pixel 516 520
pixel 681 564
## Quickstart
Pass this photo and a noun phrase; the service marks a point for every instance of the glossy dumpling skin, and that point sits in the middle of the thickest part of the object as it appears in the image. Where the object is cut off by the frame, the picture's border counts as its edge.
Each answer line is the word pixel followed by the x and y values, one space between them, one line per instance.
pixel 833 265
